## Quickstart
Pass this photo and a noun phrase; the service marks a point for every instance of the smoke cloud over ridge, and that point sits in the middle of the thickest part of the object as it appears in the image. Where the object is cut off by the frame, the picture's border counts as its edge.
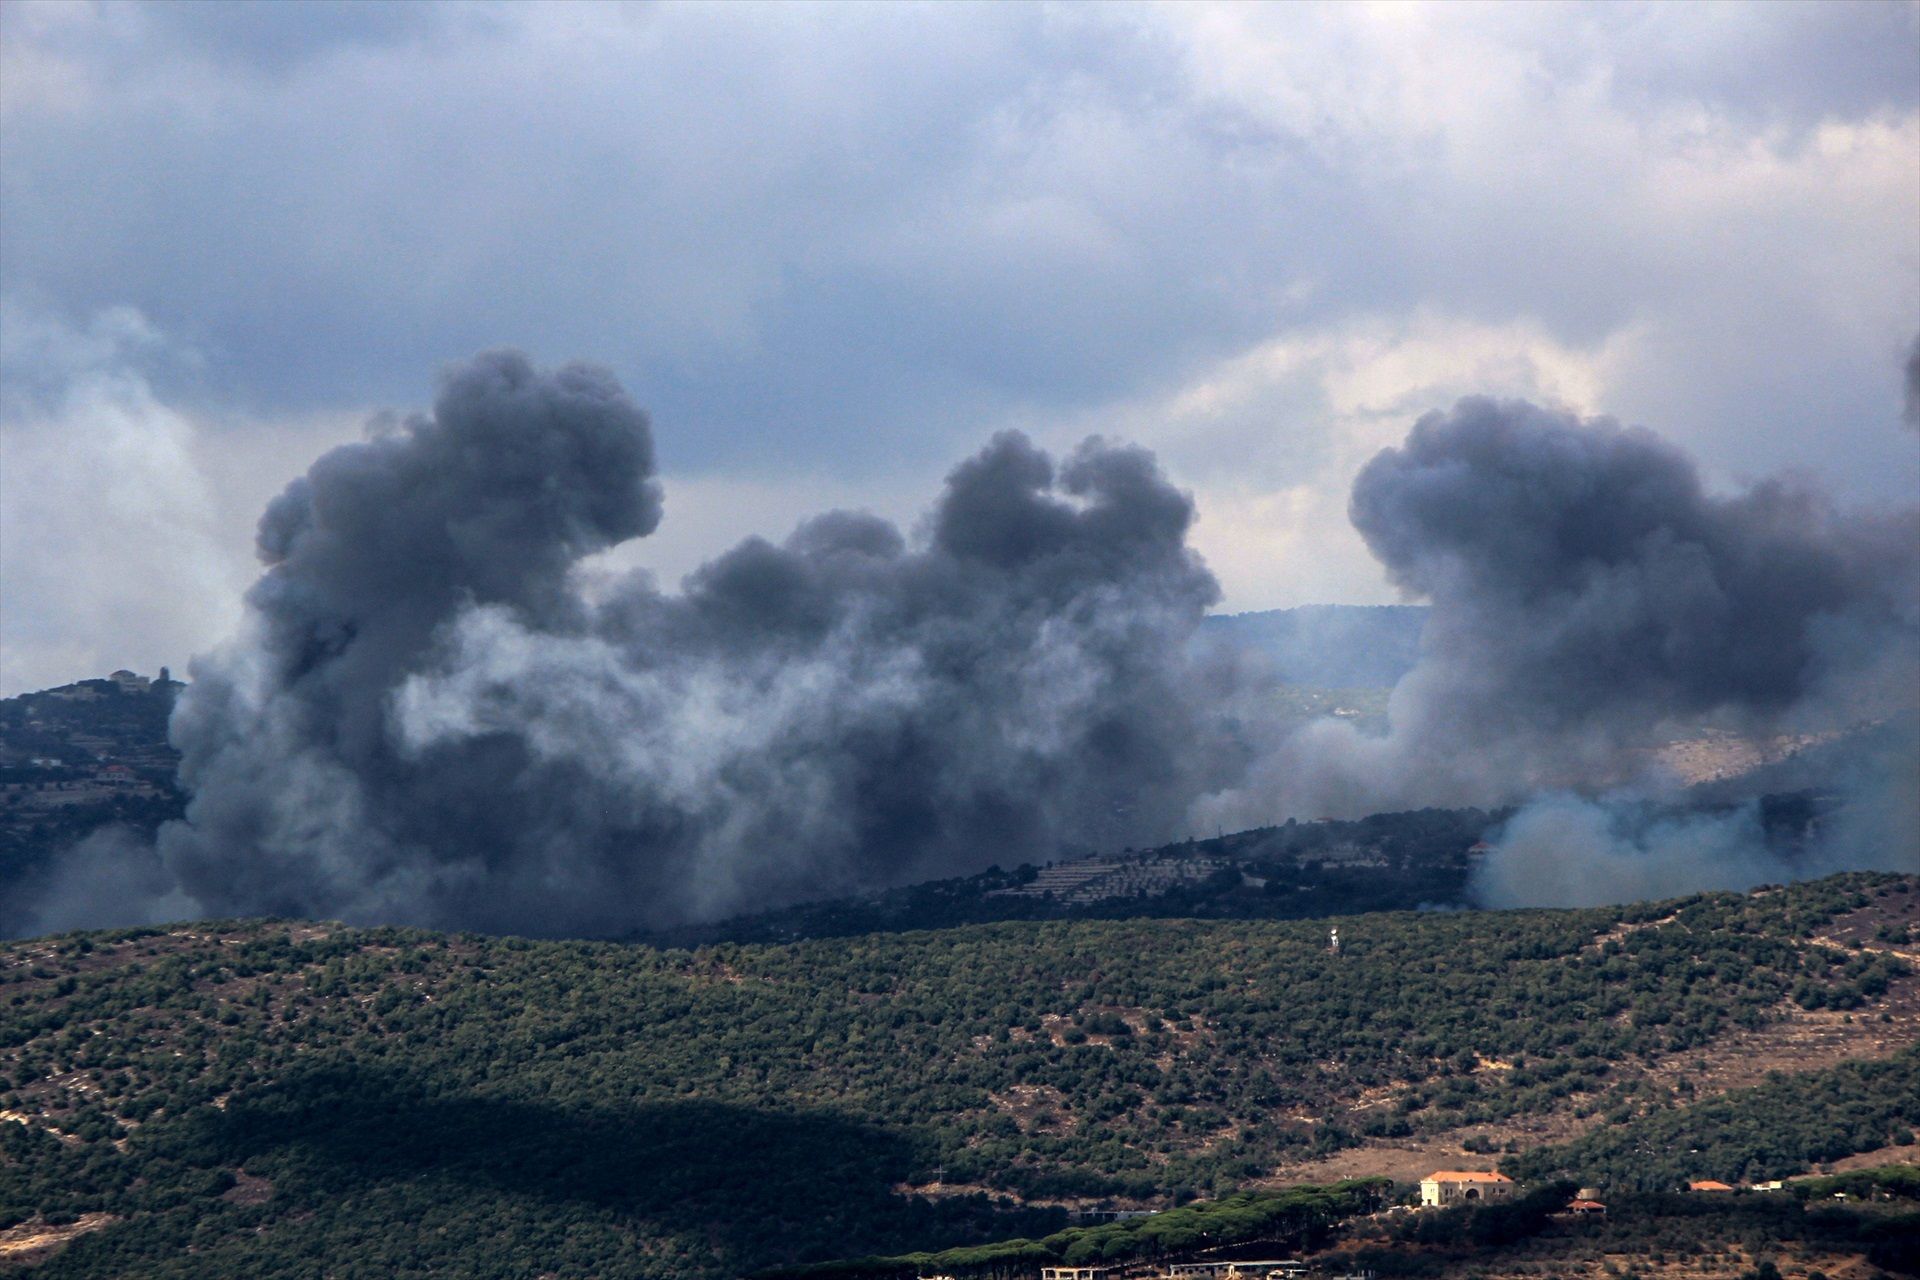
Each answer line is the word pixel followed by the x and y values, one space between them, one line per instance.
pixel 1591 599
pixel 427 720
pixel 1584 581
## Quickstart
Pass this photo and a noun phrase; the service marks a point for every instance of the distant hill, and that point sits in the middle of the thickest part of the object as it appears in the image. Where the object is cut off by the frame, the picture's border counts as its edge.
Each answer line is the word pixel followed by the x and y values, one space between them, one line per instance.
pixel 1414 860
pixel 274 1100
pixel 1385 862
pixel 1328 645
pixel 79 757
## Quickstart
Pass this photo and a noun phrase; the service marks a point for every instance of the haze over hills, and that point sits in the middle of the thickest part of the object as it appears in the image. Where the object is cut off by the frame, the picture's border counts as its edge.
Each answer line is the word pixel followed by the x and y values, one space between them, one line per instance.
pixel 91 761
pixel 258 1098
pixel 1326 646
pixel 95 754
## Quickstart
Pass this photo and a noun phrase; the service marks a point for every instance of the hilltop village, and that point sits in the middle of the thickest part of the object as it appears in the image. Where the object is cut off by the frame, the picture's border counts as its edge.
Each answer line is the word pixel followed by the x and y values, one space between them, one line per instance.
pixel 83 756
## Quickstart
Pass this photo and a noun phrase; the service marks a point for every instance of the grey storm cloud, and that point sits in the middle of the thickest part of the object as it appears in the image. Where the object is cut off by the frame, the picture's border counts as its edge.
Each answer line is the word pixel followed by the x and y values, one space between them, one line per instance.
pixel 909 220
pixel 424 720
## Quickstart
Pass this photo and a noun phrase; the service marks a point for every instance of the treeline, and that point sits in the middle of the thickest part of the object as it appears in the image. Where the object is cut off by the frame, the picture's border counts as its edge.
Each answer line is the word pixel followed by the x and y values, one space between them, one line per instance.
pixel 1301 1217
pixel 1492 1224
pixel 1744 1236
pixel 1783 1127
pixel 1892 1182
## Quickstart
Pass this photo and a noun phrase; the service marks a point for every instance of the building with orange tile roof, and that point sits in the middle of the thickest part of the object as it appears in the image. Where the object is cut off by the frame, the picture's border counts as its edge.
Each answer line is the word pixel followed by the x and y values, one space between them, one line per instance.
pixel 1449 1187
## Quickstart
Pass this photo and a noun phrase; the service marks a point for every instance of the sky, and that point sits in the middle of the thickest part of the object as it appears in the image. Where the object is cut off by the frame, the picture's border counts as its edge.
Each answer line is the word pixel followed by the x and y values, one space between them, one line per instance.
pixel 833 249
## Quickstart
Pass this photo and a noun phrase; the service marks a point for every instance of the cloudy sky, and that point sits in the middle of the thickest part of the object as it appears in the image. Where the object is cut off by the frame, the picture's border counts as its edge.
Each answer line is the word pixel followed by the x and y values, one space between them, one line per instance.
pixel 833 248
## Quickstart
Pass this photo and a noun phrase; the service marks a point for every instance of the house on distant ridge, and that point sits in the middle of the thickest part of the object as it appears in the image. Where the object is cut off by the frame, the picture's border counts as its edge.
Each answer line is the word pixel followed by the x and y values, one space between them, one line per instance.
pixel 1707 1184
pixel 1447 1188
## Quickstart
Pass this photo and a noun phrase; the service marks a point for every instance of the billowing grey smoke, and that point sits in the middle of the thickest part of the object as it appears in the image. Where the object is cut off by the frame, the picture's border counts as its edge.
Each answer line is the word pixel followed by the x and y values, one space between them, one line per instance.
pixel 1583 579
pixel 426 721
pixel 302 800
pixel 1912 406
pixel 1590 600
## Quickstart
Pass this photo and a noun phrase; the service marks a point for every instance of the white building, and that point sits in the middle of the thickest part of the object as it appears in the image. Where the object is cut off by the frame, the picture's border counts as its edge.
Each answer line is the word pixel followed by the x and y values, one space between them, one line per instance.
pixel 1450 1187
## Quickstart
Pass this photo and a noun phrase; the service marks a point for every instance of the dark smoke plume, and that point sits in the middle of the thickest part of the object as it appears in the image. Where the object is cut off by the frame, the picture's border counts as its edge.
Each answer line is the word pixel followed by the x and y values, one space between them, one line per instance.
pixel 1912 406
pixel 425 721
pixel 1583 578
pixel 1590 600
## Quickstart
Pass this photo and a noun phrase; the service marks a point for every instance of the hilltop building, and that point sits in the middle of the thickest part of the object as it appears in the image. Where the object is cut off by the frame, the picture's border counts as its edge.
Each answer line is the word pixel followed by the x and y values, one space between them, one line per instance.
pixel 1447 1188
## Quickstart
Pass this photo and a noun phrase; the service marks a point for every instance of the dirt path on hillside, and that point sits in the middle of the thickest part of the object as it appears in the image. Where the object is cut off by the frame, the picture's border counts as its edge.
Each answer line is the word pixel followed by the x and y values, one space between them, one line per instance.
pixel 35 1242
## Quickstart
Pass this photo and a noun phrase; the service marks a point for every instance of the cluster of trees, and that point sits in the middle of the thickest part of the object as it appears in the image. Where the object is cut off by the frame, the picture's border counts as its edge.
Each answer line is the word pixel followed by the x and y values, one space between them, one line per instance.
pixel 1646 1233
pixel 1299 1217
pixel 1893 1182
pixel 1492 1224
pixel 281 1097
pixel 1783 1127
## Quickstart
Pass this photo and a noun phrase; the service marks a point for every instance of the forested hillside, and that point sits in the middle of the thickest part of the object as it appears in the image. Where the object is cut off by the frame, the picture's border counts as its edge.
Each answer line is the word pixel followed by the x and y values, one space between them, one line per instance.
pixel 75 759
pixel 400 1103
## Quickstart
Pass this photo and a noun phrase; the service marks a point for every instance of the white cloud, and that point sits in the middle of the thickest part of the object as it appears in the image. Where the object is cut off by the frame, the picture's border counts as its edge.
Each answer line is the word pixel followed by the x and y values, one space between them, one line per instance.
pixel 107 545
pixel 1269 439
pixel 125 525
